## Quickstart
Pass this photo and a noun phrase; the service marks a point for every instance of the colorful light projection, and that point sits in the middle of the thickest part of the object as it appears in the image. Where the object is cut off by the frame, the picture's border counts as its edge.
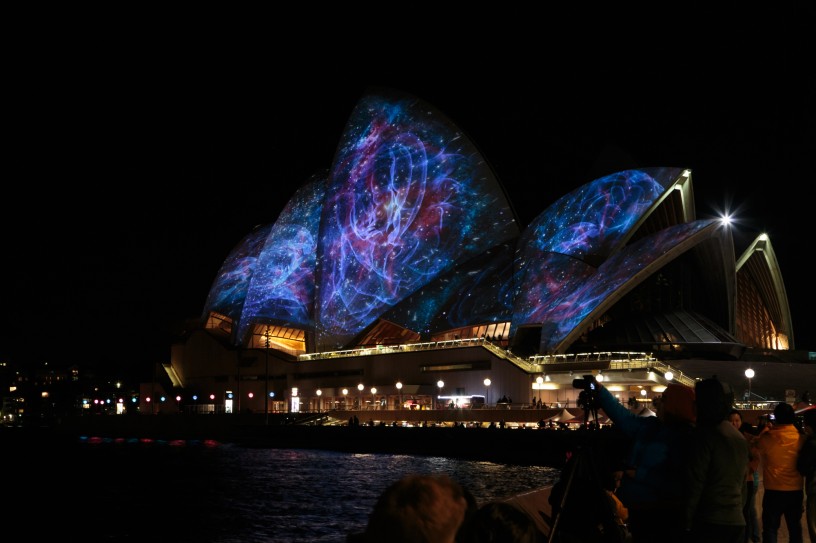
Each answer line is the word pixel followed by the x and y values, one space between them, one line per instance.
pixel 412 226
pixel 409 199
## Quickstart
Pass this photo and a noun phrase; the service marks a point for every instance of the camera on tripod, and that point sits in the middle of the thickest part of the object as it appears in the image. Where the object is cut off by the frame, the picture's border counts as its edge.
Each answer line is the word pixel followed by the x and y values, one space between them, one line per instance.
pixel 588 387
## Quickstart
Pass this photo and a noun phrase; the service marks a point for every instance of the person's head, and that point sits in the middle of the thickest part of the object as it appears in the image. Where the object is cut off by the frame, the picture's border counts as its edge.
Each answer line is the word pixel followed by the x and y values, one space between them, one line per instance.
pixel 612 480
pixel 784 414
pixel 676 404
pixel 735 418
pixel 500 522
pixel 715 400
pixel 419 509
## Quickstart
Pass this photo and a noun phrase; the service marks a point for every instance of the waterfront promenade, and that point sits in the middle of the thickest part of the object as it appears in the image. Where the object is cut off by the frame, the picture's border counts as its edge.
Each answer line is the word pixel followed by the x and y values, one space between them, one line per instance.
pixel 224 426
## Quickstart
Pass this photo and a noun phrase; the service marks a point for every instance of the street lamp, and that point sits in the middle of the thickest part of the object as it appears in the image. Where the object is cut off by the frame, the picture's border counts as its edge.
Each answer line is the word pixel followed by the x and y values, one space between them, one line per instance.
pixel 440 384
pixel 266 381
pixel 539 381
pixel 373 399
pixel 360 388
pixel 345 393
pixel 399 389
pixel 749 373
pixel 319 400
pixel 487 382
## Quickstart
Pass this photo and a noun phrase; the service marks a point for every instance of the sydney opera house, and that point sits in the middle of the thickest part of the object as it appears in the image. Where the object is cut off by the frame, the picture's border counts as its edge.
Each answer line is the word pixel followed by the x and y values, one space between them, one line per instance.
pixel 402 279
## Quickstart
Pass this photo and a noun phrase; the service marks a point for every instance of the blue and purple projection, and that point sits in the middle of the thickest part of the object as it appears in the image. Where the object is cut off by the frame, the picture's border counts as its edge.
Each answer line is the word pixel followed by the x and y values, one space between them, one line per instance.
pixel 562 246
pixel 562 315
pixel 412 226
pixel 409 199
pixel 282 288
pixel 228 292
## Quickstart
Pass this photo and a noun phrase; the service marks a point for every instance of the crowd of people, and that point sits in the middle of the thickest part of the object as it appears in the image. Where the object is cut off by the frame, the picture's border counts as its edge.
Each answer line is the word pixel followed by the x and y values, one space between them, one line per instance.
pixel 699 458
pixel 690 473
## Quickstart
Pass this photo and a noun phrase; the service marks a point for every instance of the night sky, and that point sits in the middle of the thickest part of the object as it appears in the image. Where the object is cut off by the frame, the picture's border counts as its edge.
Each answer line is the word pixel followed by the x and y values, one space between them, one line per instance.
pixel 135 179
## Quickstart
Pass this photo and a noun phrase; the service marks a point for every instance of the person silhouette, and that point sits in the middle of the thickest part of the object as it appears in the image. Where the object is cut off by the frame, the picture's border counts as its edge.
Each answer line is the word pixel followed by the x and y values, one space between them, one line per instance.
pixel 716 470
pixel 653 482
pixel 784 486
pixel 418 508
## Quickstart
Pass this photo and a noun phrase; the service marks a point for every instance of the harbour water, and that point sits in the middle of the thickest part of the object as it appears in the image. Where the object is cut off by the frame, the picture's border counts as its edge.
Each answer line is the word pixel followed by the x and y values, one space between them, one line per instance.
pixel 200 491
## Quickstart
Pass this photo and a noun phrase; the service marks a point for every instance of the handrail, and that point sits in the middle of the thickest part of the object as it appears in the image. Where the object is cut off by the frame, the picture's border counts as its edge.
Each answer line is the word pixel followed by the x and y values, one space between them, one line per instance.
pixel 617 360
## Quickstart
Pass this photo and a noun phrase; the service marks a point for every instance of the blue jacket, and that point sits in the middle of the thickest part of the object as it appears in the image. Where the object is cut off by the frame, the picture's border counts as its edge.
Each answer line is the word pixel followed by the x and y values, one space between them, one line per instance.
pixel 657 455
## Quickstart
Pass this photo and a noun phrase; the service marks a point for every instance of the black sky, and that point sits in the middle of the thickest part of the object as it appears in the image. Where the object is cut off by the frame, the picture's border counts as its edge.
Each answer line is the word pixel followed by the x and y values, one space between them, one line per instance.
pixel 134 179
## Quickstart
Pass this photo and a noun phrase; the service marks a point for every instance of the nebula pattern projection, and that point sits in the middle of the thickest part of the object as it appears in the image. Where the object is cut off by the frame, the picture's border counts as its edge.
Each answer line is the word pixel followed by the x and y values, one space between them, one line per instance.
pixel 547 277
pixel 228 292
pixel 562 315
pixel 592 220
pixel 597 218
pixel 478 292
pixel 409 199
pixel 283 286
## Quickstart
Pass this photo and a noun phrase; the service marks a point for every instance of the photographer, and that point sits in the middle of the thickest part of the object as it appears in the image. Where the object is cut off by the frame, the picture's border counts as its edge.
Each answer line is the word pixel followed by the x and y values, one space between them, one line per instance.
pixel 652 487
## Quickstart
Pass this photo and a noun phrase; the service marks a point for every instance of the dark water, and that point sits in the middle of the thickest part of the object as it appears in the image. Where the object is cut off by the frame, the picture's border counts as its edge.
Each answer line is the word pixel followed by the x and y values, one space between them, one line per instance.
pixel 127 490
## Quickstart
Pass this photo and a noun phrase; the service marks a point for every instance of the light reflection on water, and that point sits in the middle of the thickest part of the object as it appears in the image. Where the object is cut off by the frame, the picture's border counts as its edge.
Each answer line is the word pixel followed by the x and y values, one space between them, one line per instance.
pixel 325 495
pixel 227 493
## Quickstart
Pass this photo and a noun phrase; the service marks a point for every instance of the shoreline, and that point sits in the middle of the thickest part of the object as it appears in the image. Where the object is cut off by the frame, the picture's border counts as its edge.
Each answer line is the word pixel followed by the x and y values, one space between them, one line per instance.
pixel 518 446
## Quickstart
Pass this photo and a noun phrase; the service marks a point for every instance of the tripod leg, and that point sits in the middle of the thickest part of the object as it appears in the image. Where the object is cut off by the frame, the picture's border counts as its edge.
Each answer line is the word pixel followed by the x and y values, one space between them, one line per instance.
pixel 564 496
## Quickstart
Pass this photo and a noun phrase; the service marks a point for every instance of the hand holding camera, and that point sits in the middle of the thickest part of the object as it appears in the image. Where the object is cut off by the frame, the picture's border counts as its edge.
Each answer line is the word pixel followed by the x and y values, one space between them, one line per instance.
pixel 588 386
pixel 587 382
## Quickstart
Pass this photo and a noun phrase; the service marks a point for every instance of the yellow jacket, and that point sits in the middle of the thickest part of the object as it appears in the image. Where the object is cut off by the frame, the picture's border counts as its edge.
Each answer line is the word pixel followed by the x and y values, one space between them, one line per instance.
pixel 779 447
pixel 621 511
